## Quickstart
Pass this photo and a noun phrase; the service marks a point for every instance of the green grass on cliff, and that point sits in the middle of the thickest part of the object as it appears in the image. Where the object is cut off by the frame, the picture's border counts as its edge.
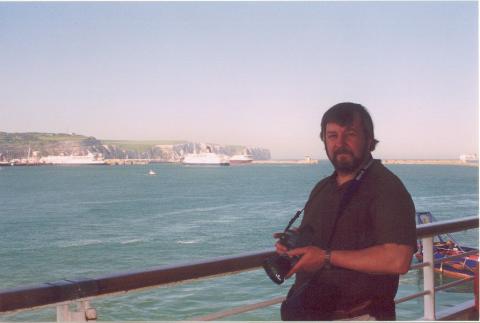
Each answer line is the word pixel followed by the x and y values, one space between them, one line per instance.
pixel 27 138
pixel 37 137
pixel 140 145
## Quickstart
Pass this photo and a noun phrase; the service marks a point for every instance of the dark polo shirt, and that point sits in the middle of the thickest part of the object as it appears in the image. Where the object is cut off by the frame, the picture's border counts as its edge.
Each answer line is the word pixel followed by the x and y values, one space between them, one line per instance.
pixel 380 211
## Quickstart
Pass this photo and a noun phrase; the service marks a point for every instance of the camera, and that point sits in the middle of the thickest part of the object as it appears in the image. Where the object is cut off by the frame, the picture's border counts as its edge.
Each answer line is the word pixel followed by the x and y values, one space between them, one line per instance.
pixel 278 266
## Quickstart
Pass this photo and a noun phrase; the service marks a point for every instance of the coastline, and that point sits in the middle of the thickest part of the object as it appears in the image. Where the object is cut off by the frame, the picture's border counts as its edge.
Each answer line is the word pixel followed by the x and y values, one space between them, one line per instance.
pixel 450 162
pixel 129 162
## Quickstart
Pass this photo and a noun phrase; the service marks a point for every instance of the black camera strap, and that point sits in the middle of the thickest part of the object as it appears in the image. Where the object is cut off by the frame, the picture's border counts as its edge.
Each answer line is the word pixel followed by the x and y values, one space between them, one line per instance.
pixel 346 197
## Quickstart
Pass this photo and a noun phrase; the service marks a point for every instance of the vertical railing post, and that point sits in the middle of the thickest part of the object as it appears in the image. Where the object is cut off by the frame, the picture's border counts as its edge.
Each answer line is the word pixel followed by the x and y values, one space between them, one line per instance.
pixel 82 313
pixel 63 313
pixel 428 279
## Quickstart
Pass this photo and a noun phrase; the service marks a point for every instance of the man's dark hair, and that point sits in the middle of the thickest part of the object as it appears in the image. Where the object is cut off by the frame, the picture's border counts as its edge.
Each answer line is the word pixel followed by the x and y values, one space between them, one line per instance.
pixel 344 115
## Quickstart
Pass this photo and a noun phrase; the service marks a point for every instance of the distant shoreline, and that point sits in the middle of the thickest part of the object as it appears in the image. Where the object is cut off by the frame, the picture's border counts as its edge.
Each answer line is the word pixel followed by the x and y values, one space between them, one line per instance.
pixel 451 162
pixel 127 162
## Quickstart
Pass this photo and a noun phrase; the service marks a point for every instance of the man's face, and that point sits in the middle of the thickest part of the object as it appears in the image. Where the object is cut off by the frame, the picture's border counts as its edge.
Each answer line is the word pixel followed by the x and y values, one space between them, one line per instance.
pixel 346 146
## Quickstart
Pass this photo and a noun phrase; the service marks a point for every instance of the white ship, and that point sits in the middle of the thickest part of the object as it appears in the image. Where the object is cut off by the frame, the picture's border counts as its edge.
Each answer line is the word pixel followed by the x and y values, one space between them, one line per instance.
pixel 207 158
pixel 469 158
pixel 88 159
pixel 241 159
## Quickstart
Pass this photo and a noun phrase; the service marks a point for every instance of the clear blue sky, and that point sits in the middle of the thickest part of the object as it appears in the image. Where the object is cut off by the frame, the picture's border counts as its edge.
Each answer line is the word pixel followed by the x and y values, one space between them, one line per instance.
pixel 249 73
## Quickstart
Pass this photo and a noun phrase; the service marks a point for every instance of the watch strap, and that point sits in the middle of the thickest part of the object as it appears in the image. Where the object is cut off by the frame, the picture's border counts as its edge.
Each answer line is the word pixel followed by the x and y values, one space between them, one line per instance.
pixel 327 261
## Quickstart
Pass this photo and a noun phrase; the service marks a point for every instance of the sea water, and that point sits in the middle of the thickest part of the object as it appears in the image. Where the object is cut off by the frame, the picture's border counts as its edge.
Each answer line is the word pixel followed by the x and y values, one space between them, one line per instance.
pixel 88 221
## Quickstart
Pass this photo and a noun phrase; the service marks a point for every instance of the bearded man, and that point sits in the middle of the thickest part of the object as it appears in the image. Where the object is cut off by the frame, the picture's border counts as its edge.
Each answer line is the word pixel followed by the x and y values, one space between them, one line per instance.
pixel 363 221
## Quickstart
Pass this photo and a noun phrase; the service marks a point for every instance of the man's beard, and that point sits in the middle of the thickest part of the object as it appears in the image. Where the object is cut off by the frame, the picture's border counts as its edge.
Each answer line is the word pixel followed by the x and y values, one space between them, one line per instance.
pixel 346 165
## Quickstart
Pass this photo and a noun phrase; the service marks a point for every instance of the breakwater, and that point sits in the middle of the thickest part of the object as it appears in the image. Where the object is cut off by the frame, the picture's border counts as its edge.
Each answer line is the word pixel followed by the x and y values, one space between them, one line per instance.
pixel 453 162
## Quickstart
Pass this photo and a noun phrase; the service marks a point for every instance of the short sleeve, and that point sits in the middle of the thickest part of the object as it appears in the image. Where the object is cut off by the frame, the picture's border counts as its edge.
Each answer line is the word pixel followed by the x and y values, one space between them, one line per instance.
pixel 393 215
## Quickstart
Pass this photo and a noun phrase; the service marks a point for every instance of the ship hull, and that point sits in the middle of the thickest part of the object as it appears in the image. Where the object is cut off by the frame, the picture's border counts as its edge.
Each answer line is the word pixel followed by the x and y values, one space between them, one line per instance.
pixel 240 159
pixel 207 164
pixel 72 160
pixel 240 162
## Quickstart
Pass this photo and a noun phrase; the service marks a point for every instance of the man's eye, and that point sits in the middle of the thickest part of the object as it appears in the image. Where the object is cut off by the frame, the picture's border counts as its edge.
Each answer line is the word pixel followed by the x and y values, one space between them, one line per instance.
pixel 332 136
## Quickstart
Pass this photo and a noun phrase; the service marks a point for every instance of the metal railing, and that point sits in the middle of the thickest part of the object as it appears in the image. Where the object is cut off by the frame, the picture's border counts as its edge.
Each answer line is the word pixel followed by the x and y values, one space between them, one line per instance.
pixel 81 291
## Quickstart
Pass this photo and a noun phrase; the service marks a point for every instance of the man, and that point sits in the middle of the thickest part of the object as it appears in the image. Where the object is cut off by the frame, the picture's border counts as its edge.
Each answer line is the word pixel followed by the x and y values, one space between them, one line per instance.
pixel 364 229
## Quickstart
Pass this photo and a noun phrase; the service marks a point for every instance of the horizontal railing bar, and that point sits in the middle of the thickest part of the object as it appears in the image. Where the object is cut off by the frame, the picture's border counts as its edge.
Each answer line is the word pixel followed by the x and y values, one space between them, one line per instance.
pixel 448 226
pixel 67 290
pixel 454 283
pixel 437 288
pixel 238 310
pixel 412 296
pixel 419 265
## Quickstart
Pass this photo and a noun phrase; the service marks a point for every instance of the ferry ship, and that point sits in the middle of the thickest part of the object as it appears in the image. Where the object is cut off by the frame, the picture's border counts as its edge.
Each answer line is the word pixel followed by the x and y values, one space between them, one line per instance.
pixel 88 159
pixel 240 159
pixel 206 159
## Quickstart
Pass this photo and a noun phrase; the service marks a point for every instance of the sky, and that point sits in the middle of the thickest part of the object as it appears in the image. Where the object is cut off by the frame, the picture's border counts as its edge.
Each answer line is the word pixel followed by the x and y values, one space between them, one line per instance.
pixel 259 74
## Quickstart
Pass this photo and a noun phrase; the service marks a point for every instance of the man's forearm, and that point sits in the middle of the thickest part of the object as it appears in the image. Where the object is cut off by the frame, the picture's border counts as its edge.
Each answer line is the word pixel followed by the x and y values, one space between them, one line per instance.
pixel 386 258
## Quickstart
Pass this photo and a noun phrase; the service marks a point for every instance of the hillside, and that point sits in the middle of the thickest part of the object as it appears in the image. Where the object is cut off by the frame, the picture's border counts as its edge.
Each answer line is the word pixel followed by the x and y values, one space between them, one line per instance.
pixel 18 146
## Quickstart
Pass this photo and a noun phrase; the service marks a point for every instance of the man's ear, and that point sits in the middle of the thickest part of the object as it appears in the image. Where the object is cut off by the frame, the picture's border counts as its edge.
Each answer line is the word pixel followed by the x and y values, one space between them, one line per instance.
pixel 370 144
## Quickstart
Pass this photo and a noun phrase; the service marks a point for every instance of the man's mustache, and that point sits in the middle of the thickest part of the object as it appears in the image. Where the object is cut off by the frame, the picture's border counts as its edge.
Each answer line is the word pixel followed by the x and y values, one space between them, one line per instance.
pixel 342 150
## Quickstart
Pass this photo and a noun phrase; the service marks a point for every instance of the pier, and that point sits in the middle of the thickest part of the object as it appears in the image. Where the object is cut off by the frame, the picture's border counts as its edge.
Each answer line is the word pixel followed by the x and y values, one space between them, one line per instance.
pixel 450 162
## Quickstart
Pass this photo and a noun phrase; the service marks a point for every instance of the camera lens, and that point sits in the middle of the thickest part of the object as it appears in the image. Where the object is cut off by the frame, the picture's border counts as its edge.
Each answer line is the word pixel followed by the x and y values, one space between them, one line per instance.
pixel 277 267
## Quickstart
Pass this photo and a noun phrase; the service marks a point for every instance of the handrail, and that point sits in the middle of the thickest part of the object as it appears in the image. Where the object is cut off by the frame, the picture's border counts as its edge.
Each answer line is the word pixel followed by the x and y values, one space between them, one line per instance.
pixel 238 310
pixel 68 290
pixel 72 289
pixel 448 226
pixel 453 284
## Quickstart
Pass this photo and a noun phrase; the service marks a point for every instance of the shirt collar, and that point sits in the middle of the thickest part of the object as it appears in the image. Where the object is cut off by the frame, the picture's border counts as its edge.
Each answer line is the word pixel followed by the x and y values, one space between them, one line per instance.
pixel 333 177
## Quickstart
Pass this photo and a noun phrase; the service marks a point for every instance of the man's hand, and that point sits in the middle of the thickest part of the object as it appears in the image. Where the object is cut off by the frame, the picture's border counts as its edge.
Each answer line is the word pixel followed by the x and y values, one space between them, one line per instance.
pixel 312 259
pixel 279 248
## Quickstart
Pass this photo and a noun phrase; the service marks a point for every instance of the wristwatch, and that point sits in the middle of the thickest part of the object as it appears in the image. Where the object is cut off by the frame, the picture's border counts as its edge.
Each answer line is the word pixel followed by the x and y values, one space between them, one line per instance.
pixel 328 255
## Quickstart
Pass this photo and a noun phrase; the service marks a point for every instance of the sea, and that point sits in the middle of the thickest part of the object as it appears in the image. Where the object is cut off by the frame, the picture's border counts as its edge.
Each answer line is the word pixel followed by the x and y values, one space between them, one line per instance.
pixel 66 222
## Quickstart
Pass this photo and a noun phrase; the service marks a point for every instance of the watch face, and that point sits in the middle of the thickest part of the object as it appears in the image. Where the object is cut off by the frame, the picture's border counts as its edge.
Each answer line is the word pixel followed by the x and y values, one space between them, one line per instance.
pixel 327 258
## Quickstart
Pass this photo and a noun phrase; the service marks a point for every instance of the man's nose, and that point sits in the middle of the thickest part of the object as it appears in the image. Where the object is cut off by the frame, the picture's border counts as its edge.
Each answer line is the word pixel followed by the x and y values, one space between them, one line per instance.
pixel 341 140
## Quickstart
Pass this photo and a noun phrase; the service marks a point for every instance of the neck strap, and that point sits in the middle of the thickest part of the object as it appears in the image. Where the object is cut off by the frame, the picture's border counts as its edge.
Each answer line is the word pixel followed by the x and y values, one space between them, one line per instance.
pixel 346 197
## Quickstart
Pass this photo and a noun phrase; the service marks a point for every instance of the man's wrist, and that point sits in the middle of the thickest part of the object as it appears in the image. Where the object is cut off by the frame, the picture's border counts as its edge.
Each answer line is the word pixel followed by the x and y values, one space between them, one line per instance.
pixel 327 263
